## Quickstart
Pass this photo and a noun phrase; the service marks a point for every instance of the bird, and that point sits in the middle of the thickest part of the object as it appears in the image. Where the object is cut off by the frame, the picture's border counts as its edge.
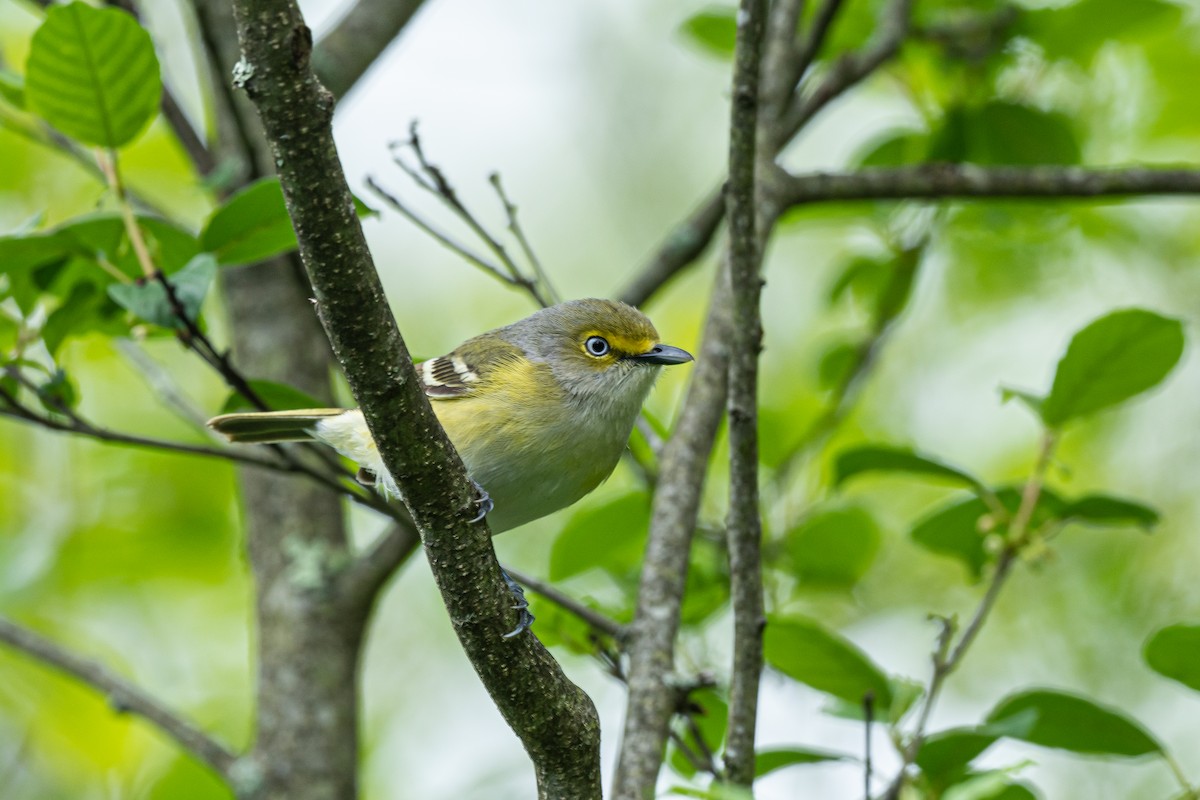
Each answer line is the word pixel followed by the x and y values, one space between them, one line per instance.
pixel 539 410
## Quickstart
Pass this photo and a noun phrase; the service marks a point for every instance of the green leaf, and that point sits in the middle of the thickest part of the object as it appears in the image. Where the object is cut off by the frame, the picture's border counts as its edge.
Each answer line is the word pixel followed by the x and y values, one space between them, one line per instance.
pixel 1000 132
pixel 1077 724
pixel 837 363
pixel 949 752
pixel 710 712
pixel 806 651
pixel 610 536
pixel 1027 399
pixel 865 274
pixel 58 393
pixel 1111 360
pixel 1174 652
pixel 148 300
pixel 991 785
pixel 833 548
pixel 1099 509
pixel 766 761
pixel 959 529
pixel 277 396
pixel 1076 32
pixel 897 150
pixel 95 237
pixel 884 458
pixel 12 88
pixel 714 30
pixel 92 74
pixel 253 225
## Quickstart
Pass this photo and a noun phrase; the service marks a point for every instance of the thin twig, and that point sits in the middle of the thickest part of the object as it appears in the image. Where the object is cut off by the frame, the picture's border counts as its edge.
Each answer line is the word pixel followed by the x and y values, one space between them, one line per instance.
pixel 514 226
pixel 591 616
pixel 430 177
pixel 122 695
pixel 949 655
pixel 444 239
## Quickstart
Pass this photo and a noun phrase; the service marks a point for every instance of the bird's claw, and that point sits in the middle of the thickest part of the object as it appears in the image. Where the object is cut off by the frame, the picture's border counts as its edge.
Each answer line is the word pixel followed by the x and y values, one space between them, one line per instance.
pixel 484 501
pixel 524 618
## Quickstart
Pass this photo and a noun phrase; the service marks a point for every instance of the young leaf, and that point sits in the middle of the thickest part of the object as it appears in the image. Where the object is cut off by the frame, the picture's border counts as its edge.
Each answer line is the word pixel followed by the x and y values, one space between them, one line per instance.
pixel 12 88
pixel 1174 652
pixel 833 548
pixel 884 458
pixel 808 652
pixel 148 299
pixel 92 74
pixel 1077 724
pixel 277 396
pixel 253 225
pixel 766 761
pixel 949 752
pixel 611 536
pixel 1100 509
pixel 715 30
pixel 1000 132
pixel 1111 360
pixel 959 529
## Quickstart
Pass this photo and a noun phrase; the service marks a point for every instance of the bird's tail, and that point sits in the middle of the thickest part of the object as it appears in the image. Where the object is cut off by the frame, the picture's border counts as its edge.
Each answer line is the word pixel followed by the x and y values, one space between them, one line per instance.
pixel 272 426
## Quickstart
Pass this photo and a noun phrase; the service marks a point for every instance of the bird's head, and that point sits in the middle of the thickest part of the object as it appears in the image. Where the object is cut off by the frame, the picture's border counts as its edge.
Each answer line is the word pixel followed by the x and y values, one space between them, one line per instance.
pixel 601 351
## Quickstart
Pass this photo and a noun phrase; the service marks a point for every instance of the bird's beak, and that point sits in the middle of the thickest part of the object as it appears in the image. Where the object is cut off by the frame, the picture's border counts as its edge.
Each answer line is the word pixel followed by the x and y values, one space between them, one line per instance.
pixel 663 354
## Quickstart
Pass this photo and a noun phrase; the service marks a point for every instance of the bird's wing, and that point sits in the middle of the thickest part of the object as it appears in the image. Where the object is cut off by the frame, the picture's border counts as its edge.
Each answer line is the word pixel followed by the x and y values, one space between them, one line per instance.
pixel 462 371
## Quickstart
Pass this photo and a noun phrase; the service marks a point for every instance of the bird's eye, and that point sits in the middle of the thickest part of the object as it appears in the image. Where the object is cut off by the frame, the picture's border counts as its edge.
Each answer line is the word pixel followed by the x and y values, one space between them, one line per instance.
pixel 596 346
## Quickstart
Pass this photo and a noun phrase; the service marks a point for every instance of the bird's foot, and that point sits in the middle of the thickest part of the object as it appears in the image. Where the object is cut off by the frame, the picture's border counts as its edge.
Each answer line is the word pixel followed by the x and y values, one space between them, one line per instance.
pixel 485 504
pixel 524 618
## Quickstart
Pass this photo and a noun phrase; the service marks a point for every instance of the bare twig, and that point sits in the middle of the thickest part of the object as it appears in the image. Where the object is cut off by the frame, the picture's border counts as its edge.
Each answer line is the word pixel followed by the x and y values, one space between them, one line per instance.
pixel 368 27
pixel 122 695
pixel 596 620
pixel 444 239
pixel 676 505
pixel 850 69
pixel 967 181
pixel 430 177
pixel 743 523
pixel 949 655
pixel 514 226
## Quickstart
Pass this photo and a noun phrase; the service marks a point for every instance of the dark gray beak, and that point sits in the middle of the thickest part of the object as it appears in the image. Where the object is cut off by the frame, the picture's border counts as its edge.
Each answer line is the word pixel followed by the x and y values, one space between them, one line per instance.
pixel 663 354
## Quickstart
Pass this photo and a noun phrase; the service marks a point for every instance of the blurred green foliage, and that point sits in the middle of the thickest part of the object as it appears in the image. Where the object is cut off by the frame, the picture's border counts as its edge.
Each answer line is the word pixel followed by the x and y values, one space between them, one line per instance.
pixel 889 329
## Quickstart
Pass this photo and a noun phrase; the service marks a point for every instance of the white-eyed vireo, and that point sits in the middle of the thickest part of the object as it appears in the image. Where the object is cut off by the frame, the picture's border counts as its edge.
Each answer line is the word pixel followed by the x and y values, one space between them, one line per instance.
pixel 539 410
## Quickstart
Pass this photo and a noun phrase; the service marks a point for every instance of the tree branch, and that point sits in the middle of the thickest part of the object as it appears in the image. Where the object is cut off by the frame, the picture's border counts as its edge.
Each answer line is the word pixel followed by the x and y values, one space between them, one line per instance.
pixel 345 53
pixel 652 693
pixel 942 181
pixel 122 695
pixel 555 720
pixel 743 524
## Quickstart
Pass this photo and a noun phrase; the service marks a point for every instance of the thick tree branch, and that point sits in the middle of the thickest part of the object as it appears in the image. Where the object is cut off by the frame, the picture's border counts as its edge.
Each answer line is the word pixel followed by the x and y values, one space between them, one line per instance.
pixel 122 695
pixel 652 686
pixel 345 53
pixel 556 721
pixel 743 525
pixel 941 181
